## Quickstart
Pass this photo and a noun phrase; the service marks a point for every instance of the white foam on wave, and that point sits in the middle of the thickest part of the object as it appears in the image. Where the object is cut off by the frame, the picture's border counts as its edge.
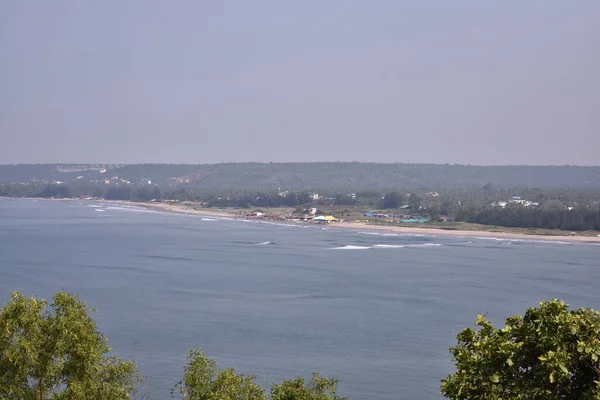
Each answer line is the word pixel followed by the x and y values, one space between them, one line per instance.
pixel 386 246
pixel 513 240
pixel 351 247
pixel 207 219
pixel 425 245
pixel 393 234
pixel 132 209
pixel 251 221
pixel 95 205
pixel 263 243
pixel 99 210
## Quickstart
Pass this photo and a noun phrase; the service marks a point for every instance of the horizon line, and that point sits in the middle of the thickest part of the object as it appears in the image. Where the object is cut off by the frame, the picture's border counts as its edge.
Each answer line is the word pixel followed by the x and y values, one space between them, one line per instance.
pixel 302 162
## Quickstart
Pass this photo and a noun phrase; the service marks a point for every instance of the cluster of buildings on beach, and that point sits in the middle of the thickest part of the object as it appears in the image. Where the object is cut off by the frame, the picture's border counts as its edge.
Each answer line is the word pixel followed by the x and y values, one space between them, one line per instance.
pixel 514 200
pixel 310 216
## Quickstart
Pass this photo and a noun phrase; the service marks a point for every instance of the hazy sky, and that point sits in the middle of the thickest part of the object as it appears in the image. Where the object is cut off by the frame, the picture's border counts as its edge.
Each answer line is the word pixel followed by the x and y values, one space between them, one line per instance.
pixel 480 82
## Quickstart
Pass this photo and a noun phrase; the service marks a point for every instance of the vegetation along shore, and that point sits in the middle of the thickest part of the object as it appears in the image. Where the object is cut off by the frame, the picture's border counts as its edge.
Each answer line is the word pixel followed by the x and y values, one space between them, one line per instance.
pixel 513 201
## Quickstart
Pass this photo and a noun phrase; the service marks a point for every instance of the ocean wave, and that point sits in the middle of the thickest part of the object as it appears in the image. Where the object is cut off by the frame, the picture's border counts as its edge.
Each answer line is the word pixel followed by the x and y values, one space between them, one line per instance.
pixel 518 240
pixel 99 210
pixel 208 219
pixel 132 209
pixel 263 243
pixel 351 247
pixel 394 234
pixel 386 246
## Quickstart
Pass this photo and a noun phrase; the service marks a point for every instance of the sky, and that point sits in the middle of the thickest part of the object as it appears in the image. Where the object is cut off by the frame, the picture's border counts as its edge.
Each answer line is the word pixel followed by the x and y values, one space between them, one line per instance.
pixel 139 81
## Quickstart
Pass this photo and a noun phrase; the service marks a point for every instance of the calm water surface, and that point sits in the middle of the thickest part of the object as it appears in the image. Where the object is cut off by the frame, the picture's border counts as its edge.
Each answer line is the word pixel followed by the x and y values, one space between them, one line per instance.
pixel 377 311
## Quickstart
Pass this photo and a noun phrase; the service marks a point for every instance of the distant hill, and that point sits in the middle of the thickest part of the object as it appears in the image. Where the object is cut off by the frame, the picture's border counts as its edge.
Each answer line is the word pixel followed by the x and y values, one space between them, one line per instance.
pixel 352 176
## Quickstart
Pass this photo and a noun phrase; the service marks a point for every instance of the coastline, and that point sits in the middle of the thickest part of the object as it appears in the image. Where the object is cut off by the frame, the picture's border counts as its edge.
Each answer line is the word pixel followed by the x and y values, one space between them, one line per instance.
pixel 361 226
pixel 181 208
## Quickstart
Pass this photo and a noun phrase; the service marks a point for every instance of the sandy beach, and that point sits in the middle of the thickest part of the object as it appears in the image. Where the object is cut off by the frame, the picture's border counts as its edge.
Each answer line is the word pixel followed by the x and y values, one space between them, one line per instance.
pixel 462 233
pixel 359 226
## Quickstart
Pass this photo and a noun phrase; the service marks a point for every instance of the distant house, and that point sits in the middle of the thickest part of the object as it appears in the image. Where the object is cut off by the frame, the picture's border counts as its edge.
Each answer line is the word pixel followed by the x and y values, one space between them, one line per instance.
pixel 145 181
pixel 315 196
pixel 514 200
pixel 524 203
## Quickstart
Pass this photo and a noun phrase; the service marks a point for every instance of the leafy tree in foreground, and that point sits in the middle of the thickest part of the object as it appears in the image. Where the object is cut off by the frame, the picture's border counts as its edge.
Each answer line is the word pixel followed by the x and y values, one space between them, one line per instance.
pixel 319 388
pixel 54 352
pixel 550 353
pixel 203 380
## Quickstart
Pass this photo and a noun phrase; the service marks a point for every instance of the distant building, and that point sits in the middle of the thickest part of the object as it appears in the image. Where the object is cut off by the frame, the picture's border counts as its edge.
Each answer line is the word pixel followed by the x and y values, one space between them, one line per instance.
pixel 514 200
pixel 145 181
pixel 414 220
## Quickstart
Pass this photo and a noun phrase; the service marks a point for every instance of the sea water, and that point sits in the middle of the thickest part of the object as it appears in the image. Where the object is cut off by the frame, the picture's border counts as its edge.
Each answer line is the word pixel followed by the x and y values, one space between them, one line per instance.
pixel 377 311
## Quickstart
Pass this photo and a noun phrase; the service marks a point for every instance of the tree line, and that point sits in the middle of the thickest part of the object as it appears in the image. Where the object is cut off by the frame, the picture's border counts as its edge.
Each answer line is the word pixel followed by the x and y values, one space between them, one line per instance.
pixel 573 210
pixel 576 219
pixel 339 176
pixel 55 352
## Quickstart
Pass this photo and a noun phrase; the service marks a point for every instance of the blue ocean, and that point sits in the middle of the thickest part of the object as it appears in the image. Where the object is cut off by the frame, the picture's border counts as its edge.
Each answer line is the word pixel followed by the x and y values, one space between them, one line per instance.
pixel 378 311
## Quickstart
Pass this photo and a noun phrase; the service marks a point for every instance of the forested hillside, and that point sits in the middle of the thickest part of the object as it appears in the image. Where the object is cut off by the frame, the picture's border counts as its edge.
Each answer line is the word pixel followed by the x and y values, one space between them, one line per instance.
pixel 334 176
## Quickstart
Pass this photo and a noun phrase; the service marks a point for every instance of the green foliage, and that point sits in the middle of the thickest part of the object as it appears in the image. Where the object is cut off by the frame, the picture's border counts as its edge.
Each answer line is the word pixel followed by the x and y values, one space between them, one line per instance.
pixel 203 380
pixel 551 216
pixel 415 200
pixel 55 352
pixel 335 176
pixel 392 200
pixel 319 388
pixel 550 353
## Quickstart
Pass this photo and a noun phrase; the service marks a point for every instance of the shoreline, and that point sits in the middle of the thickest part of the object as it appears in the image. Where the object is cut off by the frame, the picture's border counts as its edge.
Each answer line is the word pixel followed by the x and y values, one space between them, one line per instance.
pixel 180 208
pixel 361 226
